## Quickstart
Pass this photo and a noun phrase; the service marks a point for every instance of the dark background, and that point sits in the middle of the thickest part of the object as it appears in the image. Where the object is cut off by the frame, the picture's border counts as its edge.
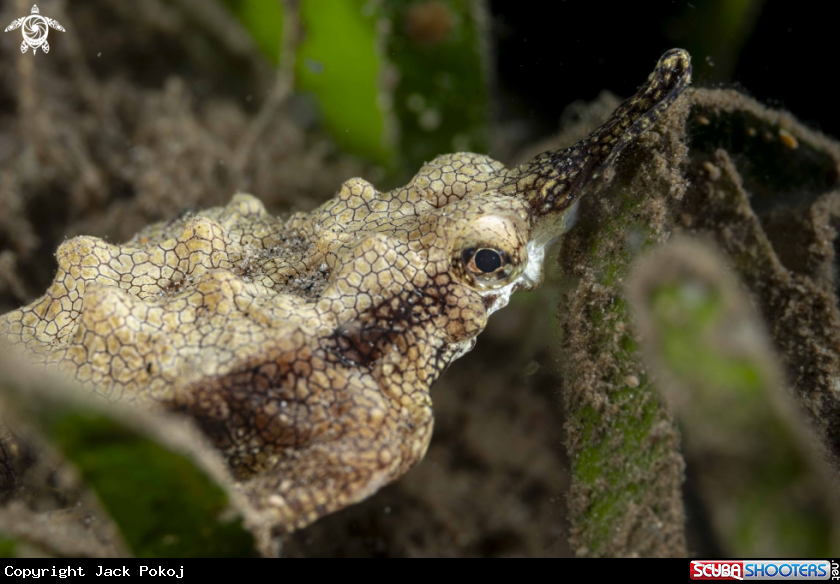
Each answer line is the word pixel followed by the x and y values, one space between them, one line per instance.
pixel 552 53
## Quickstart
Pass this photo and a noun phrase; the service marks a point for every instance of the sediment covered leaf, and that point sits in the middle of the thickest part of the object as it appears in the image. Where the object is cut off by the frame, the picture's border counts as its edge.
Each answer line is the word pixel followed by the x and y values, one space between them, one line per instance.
pixel 763 483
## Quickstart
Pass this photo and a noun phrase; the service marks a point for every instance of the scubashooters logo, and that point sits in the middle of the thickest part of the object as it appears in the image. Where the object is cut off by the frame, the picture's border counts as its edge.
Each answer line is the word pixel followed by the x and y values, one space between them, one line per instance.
pixel 35 31
pixel 761 570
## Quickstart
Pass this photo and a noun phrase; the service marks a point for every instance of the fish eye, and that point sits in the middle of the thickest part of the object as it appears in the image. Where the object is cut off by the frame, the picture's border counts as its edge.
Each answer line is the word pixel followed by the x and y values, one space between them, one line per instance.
pixel 486 265
pixel 488 260
pixel 491 252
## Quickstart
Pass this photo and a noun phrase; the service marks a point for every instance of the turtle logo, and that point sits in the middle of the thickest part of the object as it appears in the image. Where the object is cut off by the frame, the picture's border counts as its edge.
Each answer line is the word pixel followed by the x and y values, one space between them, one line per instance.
pixel 35 29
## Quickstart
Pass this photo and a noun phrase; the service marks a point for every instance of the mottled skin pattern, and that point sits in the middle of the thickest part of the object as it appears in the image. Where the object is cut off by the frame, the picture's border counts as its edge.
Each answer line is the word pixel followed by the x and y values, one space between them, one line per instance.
pixel 306 348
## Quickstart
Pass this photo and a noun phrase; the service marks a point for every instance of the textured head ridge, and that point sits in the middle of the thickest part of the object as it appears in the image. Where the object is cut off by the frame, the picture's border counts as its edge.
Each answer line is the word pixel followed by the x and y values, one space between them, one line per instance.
pixel 306 348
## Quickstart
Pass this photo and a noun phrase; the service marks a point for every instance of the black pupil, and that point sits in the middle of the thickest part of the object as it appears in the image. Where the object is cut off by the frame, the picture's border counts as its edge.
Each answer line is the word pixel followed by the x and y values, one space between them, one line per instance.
pixel 488 260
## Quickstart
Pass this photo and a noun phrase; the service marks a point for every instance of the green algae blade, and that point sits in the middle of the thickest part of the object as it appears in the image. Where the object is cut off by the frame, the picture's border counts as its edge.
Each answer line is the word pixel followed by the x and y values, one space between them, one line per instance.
pixel 151 474
pixel 397 82
pixel 338 63
pixel 442 98
pixel 264 20
pixel 164 504
pixel 8 547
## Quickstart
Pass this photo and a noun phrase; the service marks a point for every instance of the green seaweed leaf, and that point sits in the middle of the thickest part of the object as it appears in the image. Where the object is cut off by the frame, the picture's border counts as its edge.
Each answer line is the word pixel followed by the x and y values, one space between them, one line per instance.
pixel 264 20
pixel 426 59
pixel 164 504
pixel 338 63
pixel 149 473
pixel 7 547
pixel 442 99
